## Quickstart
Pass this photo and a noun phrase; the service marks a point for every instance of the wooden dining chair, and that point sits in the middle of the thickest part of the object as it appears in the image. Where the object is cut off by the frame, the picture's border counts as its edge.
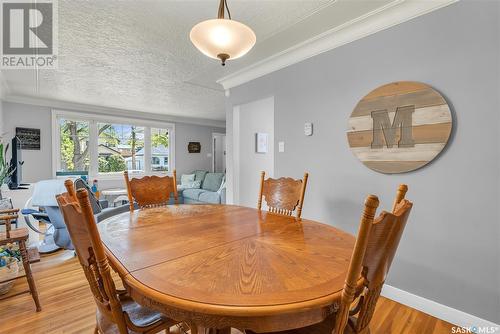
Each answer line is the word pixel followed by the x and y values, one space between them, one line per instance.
pixel 284 195
pixel 116 311
pixel 151 191
pixel 375 247
pixel 5 207
pixel 19 236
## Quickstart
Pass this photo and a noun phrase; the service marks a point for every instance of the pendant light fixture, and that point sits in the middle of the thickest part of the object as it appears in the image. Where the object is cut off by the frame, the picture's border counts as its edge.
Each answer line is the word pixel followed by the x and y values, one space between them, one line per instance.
pixel 222 38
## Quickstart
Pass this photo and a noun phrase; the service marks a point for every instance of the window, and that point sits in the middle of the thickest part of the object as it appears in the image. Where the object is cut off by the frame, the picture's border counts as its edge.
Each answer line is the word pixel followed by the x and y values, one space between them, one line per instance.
pixel 107 146
pixel 121 147
pixel 74 147
pixel 159 149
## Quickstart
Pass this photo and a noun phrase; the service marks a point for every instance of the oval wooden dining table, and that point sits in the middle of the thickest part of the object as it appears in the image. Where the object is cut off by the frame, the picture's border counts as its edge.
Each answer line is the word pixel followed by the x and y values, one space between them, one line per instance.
pixel 223 266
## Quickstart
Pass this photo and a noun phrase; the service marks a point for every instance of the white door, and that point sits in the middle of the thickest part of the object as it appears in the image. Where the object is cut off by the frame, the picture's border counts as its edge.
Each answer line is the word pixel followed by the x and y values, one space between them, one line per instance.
pixel 219 153
pixel 224 153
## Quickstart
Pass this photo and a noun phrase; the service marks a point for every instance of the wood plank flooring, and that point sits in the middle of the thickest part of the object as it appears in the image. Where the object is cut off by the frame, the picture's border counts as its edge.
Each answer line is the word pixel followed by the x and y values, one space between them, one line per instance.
pixel 68 306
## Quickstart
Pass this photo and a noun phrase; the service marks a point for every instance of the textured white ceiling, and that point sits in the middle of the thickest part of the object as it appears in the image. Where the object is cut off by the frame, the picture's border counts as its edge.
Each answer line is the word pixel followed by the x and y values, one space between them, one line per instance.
pixel 136 55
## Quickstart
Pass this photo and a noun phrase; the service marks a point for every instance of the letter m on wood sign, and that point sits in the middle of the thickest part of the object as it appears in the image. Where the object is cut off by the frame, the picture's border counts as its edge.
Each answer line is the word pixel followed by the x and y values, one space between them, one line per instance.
pixel 383 130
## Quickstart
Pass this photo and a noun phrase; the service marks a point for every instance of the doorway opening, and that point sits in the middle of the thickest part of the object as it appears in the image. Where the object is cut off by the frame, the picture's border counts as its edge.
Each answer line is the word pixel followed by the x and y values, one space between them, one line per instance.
pixel 219 152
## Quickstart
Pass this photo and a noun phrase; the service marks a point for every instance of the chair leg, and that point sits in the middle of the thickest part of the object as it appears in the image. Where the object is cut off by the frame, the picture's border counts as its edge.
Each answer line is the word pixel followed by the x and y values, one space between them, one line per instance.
pixel 29 275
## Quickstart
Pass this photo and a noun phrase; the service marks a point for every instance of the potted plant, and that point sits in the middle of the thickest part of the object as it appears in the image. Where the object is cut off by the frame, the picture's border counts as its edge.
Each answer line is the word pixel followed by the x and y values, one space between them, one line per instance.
pixel 5 170
pixel 10 257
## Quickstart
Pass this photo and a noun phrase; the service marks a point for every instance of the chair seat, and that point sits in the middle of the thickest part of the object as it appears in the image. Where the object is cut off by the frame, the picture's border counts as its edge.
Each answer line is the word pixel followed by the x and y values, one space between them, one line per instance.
pixel 15 235
pixel 139 315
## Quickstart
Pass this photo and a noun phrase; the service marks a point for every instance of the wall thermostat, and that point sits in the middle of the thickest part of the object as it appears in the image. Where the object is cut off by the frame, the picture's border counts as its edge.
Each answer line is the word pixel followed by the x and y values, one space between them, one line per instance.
pixel 308 129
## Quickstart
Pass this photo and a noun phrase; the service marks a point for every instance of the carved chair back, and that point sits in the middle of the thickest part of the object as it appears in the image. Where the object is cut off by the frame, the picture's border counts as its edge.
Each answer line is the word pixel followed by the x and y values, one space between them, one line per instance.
pixel 151 191
pixel 79 219
pixel 376 245
pixel 283 195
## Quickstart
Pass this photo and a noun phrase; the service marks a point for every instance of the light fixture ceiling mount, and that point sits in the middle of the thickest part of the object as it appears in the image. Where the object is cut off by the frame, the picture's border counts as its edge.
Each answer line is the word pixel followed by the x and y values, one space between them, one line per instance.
pixel 222 38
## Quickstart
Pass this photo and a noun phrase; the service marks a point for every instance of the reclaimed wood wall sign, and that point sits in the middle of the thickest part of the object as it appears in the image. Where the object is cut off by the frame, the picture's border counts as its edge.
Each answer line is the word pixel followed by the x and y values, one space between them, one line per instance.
pixel 399 127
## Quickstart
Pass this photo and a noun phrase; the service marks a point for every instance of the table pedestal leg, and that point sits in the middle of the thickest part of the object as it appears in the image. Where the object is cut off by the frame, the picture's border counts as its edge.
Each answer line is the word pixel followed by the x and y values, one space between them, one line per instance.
pixel 220 331
pixel 202 330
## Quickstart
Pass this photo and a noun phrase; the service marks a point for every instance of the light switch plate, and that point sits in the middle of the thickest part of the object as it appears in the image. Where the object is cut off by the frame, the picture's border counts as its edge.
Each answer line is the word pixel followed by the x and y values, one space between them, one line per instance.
pixel 308 129
pixel 281 146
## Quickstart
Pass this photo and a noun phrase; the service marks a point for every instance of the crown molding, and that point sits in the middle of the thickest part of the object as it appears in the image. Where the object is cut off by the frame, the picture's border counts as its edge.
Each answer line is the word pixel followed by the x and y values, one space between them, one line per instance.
pixel 380 19
pixel 99 110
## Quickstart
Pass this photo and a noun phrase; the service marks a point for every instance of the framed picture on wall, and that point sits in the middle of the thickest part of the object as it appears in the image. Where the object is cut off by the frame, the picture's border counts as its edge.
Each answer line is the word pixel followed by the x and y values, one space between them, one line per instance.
pixel 261 142
pixel 194 147
pixel 30 138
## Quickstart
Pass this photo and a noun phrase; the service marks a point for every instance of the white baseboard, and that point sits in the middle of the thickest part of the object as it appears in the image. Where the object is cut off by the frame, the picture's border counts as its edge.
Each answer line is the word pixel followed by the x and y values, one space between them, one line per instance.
pixel 440 311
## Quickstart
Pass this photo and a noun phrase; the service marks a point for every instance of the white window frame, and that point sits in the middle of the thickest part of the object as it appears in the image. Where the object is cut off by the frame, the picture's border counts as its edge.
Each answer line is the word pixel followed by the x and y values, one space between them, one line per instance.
pixel 93 120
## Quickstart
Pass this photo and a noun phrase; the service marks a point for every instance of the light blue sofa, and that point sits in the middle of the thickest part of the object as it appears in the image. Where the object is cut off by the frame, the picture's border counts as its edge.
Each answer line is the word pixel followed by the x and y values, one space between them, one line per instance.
pixel 212 189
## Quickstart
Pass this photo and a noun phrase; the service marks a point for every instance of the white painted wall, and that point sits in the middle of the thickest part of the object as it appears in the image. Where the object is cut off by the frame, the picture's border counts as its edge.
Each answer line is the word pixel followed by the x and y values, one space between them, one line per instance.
pixel 1 119
pixel 38 164
pixel 251 118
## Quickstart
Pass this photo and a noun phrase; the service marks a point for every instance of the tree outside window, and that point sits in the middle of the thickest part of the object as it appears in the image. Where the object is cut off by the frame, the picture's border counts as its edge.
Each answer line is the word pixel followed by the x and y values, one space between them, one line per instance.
pixel 121 147
pixel 159 149
pixel 74 139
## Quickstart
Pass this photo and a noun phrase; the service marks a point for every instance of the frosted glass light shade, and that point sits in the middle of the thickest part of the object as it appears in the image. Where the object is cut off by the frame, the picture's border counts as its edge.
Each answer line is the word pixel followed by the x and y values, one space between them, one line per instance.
pixel 222 38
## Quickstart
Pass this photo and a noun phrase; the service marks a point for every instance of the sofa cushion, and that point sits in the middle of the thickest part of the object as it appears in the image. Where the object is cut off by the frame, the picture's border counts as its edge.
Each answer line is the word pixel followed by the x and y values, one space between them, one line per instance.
pixel 199 175
pixel 209 197
pixel 192 193
pixel 212 181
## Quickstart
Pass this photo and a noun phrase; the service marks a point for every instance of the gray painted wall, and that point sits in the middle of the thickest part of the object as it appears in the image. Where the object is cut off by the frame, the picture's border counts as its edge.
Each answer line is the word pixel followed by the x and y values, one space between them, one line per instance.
pixel 186 162
pixel 38 164
pixel 450 250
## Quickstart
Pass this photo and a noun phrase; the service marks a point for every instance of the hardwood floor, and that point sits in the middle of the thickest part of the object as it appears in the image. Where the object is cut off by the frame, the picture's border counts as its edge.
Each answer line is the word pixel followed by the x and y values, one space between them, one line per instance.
pixel 68 306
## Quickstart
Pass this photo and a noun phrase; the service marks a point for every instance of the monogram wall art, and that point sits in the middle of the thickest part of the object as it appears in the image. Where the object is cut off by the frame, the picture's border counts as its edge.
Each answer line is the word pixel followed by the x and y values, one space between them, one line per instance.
pixel 399 127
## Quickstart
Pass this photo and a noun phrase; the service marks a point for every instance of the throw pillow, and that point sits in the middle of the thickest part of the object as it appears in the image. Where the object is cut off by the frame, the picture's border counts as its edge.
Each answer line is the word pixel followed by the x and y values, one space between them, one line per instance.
pixel 5 204
pixel 195 184
pixel 212 181
pixel 187 178
pixel 200 175
pixel 190 185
